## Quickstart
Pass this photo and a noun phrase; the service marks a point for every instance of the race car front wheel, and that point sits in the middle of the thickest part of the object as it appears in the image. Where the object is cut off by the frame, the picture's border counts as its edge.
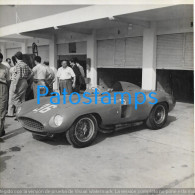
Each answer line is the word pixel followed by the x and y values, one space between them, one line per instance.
pixel 158 116
pixel 83 131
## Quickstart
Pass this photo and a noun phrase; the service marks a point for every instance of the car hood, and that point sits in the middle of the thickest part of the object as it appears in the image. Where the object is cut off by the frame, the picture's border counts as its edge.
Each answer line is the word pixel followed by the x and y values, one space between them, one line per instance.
pixel 45 108
pixel 48 106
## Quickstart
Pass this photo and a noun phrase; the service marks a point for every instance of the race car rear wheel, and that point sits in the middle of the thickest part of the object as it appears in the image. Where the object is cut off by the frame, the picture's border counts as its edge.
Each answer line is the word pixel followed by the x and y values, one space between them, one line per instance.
pixel 83 131
pixel 158 116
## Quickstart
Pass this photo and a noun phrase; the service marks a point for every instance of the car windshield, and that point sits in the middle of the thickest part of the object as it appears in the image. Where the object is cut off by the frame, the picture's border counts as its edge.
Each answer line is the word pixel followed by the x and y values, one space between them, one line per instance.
pixel 124 86
pixel 117 87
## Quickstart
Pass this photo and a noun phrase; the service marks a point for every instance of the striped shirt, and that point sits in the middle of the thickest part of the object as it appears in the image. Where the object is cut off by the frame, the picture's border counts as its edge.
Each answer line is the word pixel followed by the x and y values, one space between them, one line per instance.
pixel 21 69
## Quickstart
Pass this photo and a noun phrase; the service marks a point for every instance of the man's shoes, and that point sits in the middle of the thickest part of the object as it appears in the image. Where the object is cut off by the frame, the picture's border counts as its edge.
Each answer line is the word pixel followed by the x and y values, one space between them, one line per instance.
pixel 2 133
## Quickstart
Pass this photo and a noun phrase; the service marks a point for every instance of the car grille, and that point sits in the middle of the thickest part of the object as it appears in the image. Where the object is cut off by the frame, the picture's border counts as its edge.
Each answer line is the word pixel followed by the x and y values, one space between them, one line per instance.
pixel 31 124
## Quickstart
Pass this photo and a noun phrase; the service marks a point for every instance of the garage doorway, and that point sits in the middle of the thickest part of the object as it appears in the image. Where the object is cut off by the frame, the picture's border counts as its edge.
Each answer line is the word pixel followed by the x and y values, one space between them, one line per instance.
pixel 179 83
pixel 82 59
pixel 108 76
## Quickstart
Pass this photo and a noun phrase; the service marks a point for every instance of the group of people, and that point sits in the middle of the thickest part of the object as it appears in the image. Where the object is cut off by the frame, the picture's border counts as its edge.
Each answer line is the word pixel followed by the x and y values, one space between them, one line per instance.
pixel 70 76
pixel 16 78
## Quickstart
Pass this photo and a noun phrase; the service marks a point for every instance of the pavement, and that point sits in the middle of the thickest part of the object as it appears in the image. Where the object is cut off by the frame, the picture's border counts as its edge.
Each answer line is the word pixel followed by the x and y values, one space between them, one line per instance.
pixel 130 158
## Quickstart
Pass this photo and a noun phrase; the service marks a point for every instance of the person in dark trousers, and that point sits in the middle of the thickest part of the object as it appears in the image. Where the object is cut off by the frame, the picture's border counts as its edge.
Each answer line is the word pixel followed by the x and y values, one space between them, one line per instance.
pixel 51 79
pixel 78 75
pixel 4 77
pixel 20 77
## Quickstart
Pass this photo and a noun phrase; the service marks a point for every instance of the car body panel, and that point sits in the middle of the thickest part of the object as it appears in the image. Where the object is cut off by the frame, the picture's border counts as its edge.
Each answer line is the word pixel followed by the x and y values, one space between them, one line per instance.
pixel 109 114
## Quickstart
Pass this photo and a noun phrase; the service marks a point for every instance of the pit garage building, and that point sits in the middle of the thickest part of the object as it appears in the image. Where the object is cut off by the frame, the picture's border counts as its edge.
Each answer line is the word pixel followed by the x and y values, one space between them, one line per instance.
pixel 150 45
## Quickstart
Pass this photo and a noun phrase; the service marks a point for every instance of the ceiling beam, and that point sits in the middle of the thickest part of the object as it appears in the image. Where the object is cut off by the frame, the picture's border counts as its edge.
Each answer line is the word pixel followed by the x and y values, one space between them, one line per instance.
pixel 77 30
pixel 120 19
pixel 67 18
pixel 6 39
pixel 37 35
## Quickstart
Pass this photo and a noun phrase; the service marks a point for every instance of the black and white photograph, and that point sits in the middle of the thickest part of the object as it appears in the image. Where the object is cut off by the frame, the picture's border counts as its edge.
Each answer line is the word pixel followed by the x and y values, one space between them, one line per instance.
pixel 97 97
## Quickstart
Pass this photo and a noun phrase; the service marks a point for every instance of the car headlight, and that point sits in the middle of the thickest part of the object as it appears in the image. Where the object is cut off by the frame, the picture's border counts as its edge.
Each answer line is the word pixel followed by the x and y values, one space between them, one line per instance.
pixel 18 110
pixel 58 120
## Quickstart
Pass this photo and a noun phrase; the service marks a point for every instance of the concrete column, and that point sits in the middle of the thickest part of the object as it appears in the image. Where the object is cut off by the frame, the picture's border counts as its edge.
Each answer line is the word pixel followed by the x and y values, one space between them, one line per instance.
pixel 24 48
pixel 3 50
pixel 91 54
pixel 53 57
pixel 149 58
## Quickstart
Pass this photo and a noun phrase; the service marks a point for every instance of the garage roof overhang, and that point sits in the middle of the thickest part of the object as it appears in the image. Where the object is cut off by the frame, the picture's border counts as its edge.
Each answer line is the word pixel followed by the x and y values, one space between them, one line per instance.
pixel 83 20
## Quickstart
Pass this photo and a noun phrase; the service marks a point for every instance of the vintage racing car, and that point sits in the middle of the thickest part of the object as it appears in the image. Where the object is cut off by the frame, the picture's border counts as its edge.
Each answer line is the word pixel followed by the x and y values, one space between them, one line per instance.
pixel 82 122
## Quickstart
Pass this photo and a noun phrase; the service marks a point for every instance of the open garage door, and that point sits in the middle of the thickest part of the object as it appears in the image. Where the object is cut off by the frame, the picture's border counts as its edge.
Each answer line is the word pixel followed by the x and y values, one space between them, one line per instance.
pixel 179 83
pixel 108 76
pixel 175 73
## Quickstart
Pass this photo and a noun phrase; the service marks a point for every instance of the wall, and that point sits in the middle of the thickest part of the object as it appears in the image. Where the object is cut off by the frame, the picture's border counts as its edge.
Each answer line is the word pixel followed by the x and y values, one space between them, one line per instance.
pixel 29 12
pixel 63 48
pixel 174 26
pixel 64 36
pixel 119 32
pixel 163 27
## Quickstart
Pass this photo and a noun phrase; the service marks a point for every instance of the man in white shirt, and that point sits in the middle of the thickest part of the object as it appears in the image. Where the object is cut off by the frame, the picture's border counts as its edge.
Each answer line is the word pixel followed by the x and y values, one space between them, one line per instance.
pixel 64 76
pixel 40 74
pixel 7 63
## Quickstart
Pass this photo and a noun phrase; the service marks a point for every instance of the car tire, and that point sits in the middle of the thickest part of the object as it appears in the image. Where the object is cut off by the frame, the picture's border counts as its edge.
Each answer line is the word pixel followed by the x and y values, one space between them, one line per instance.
pixel 158 116
pixel 83 131
pixel 68 138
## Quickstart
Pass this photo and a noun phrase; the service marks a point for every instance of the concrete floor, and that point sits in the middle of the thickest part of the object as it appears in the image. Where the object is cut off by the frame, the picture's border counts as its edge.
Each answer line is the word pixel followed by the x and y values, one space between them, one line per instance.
pixel 129 158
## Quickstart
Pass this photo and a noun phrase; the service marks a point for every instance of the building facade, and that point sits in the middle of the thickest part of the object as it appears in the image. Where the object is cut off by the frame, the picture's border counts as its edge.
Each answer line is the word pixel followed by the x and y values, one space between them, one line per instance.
pixel 148 45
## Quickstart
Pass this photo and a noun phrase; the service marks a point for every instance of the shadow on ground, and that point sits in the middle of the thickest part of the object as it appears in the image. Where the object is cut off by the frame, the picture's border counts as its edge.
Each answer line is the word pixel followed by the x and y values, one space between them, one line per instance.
pixel 13 133
pixel 60 139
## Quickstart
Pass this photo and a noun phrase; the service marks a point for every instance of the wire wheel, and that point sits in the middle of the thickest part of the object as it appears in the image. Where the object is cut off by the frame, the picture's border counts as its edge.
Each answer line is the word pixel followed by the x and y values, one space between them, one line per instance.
pixel 159 114
pixel 84 129
pixel 83 132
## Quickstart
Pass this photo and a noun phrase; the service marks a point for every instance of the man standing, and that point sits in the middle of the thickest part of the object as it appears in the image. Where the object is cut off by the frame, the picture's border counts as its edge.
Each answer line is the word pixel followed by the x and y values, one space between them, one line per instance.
pixel 22 74
pixel 80 67
pixel 51 80
pixel 64 76
pixel 82 76
pixel 40 74
pixel 12 73
pixel 4 77
pixel 78 75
